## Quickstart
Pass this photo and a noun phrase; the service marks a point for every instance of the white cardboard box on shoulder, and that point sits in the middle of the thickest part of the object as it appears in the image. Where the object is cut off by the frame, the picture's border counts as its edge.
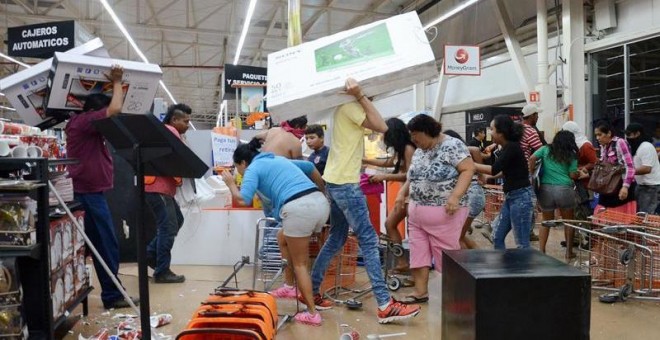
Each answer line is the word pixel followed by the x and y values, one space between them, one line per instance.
pixel 383 56
pixel 74 77
pixel 27 88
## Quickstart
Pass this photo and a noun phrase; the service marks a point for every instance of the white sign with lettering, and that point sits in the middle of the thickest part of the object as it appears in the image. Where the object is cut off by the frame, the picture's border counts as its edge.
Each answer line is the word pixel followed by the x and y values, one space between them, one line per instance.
pixel 462 60
pixel 223 149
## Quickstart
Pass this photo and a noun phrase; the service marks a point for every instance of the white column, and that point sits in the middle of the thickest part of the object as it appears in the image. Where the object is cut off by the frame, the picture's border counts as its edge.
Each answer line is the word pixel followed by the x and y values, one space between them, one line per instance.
pixel 419 96
pixel 547 91
pixel 573 51
pixel 440 93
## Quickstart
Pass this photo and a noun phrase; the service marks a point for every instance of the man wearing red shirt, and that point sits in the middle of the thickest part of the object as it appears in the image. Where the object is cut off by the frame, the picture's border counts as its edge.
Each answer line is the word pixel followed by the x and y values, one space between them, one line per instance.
pixel 92 176
pixel 159 192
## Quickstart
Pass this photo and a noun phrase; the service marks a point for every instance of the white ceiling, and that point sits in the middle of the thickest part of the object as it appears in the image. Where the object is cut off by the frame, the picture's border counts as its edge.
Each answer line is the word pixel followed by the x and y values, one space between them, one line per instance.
pixel 192 39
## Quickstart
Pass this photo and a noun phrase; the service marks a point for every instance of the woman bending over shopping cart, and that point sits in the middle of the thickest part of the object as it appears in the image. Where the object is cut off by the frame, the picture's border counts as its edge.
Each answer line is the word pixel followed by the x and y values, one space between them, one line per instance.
pixel 296 191
pixel 517 208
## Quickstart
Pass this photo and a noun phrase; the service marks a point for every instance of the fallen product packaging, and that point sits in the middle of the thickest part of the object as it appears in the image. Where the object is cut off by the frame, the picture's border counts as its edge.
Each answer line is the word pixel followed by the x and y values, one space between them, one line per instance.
pixel 383 56
pixel 74 77
pixel 26 89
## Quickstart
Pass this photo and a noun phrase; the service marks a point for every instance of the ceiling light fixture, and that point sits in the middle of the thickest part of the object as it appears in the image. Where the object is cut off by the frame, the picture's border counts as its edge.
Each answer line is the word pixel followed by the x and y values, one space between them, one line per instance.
pixel 451 13
pixel 13 60
pixel 137 50
pixel 246 26
pixel 7 108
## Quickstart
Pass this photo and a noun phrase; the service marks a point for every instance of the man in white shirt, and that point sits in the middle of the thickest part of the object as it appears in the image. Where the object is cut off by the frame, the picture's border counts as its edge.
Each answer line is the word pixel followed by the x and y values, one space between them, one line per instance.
pixel 647 168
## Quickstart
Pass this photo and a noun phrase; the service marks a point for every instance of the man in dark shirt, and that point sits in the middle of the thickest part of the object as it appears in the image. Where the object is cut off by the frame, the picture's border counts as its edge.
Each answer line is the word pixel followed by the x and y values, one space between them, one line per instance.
pixel 314 138
pixel 479 139
pixel 92 176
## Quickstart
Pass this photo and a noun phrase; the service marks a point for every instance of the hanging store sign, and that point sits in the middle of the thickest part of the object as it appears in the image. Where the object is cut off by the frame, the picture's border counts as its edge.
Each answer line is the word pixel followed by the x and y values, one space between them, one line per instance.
pixel 241 75
pixel 41 40
pixel 462 60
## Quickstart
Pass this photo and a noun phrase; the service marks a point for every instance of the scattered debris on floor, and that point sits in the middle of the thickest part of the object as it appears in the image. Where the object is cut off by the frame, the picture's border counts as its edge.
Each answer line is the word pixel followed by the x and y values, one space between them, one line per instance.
pixel 128 327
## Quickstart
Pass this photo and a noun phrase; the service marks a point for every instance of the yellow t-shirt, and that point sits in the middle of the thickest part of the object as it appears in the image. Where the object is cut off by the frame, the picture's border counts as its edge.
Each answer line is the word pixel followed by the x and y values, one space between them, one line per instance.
pixel 347 146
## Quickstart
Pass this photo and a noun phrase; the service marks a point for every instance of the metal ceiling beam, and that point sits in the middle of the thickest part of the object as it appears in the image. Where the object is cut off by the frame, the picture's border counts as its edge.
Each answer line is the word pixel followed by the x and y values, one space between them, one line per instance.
pixel 512 44
pixel 140 27
pixel 312 21
pixel 24 6
pixel 333 9
pixel 154 15
pixel 52 7
pixel 374 6
pixel 212 13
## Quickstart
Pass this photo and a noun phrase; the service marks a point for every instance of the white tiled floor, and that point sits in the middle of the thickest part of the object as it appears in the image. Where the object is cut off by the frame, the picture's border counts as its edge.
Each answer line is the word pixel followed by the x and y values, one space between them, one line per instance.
pixel 633 319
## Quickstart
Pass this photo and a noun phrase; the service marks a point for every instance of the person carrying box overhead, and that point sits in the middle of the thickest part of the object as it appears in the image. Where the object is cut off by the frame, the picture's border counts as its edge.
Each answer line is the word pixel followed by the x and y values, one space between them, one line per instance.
pixel 92 176
pixel 348 205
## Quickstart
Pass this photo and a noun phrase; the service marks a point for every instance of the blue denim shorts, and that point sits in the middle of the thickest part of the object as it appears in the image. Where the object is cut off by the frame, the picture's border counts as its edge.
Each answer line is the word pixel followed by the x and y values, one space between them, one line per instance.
pixel 553 197
pixel 476 200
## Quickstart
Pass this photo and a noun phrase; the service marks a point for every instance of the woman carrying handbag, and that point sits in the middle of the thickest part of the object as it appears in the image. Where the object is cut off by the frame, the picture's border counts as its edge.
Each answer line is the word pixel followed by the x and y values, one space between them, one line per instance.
pixel 614 174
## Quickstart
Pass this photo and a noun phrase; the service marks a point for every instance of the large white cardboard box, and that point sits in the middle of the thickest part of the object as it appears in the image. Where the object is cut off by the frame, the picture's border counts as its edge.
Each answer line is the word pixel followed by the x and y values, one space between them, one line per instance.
pixel 26 89
pixel 383 56
pixel 74 77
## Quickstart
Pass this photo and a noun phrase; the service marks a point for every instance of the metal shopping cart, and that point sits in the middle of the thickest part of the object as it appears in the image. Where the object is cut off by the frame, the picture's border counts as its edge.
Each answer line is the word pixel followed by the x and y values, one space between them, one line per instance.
pixel 622 254
pixel 494 201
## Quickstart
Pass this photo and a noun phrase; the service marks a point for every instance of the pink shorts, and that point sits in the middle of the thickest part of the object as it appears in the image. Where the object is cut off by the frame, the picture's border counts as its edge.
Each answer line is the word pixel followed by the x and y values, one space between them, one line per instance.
pixel 430 230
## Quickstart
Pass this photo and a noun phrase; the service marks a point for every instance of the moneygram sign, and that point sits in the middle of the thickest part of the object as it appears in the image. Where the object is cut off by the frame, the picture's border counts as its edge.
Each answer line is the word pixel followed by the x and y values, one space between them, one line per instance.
pixel 462 60
pixel 41 40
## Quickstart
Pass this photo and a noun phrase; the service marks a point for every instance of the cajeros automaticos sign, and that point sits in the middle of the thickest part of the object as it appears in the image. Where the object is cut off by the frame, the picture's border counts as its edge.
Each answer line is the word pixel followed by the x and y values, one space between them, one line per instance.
pixel 41 40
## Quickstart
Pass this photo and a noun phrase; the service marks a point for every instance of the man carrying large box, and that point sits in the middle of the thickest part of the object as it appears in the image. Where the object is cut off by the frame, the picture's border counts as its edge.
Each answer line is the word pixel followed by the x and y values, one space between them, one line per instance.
pixel 348 204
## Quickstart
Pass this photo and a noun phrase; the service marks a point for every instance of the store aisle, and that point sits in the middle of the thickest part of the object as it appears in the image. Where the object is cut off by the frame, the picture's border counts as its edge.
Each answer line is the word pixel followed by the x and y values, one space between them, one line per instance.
pixel 631 320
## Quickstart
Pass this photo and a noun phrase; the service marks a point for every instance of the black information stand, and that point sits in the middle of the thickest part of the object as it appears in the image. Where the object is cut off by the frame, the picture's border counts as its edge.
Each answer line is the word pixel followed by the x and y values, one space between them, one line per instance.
pixel 152 150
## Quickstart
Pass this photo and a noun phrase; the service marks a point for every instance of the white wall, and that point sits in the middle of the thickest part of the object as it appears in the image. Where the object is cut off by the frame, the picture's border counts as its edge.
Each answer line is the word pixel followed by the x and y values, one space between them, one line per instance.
pixel 636 19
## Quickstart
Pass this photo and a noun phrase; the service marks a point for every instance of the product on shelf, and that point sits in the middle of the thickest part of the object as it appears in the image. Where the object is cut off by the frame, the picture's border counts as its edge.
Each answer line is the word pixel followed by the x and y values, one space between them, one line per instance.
pixel 69 283
pixel 78 238
pixel 57 293
pixel 67 239
pixel 17 213
pixel 11 322
pixel 10 292
pixel 26 89
pixel 55 245
pixel 81 273
pixel 75 77
pixel 312 75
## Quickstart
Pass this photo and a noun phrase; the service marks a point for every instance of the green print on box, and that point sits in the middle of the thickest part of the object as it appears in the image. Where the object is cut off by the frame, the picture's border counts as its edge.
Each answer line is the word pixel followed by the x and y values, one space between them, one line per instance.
pixel 364 46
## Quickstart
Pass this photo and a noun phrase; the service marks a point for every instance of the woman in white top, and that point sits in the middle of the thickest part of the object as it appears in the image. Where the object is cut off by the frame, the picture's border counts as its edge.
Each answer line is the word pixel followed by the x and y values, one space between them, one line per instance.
pixel 647 168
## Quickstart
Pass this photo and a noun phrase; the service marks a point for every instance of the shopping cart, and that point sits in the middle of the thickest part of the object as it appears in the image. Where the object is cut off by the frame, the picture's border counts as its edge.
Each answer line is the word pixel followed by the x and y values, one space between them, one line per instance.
pixel 622 254
pixel 391 252
pixel 494 200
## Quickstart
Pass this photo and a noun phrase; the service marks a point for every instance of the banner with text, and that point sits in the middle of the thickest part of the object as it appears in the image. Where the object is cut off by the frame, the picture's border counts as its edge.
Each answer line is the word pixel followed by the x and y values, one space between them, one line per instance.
pixel 462 60
pixel 241 75
pixel 223 149
pixel 41 40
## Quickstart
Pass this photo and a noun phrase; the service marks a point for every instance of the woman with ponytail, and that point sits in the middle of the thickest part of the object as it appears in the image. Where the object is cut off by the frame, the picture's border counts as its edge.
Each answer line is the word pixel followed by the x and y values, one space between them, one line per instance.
pixel 517 208
pixel 296 191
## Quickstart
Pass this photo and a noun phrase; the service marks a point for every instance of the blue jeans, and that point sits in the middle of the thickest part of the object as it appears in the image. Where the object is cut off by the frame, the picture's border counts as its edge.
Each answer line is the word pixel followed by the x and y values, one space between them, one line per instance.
pixel 101 231
pixel 168 222
pixel 516 213
pixel 348 206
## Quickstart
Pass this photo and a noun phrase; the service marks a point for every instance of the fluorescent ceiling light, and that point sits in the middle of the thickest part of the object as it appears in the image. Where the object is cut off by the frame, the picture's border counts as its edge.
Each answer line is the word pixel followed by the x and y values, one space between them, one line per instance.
pixel 13 60
pixel 246 26
pixel 451 13
pixel 2 94
pixel 7 108
pixel 137 50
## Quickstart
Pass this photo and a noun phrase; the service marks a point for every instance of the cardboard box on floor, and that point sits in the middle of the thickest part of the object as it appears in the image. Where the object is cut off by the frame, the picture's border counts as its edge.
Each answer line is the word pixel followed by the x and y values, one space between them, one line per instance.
pixel 27 88
pixel 383 56
pixel 74 77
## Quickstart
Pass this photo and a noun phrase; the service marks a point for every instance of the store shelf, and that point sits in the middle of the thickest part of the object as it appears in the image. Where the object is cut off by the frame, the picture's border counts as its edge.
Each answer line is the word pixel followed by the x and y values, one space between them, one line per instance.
pixel 11 190
pixel 82 296
pixel 73 205
pixel 65 161
pixel 32 251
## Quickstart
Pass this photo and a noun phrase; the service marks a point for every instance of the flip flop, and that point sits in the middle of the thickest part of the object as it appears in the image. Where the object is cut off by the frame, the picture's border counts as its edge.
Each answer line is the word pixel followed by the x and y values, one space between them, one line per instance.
pixel 411 299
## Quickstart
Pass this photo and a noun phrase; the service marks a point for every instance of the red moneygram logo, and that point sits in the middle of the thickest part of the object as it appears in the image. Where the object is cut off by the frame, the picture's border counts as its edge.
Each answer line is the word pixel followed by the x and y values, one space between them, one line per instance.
pixel 461 56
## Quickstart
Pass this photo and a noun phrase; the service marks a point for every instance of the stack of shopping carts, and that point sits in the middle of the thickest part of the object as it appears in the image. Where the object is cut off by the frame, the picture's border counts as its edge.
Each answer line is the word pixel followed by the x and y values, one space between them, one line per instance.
pixel 622 254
